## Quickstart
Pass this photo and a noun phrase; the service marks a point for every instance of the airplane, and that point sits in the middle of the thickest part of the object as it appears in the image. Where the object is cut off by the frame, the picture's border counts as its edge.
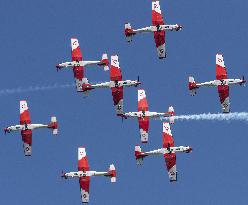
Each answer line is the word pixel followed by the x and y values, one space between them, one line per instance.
pixel 116 84
pixel 78 64
pixel 144 115
pixel 221 82
pixel 84 174
pixel 26 127
pixel 158 29
pixel 168 151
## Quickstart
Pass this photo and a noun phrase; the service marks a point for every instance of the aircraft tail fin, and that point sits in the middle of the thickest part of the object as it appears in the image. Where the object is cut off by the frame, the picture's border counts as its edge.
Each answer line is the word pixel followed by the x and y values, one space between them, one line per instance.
pixel 112 173
pixel 53 125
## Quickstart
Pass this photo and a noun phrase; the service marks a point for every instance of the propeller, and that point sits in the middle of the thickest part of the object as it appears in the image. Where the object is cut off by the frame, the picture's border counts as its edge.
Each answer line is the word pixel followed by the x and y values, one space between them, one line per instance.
pixel 63 174
pixel 138 81
pixel 169 147
pixel 179 27
pixel 243 80
pixel 57 67
pixel 5 130
pixel 122 116
pixel 190 149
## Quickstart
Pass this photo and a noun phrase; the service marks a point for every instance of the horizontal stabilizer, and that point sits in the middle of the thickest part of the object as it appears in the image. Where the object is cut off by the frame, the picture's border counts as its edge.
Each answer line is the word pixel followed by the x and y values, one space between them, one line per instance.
pixel 112 173
pixel 138 155
pixel 54 125
pixel 105 62
pixel 192 86
pixel 128 32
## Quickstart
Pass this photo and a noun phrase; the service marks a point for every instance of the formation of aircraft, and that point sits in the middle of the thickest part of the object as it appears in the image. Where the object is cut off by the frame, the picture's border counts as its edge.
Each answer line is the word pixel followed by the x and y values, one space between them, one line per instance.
pixel 222 83
pixel 26 127
pixel 168 151
pixel 84 174
pixel 158 29
pixel 116 84
pixel 78 64
pixel 144 115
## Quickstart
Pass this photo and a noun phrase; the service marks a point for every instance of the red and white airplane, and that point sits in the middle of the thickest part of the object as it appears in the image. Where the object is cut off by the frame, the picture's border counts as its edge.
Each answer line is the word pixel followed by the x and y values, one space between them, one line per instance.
pixel 116 84
pixel 26 127
pixel 158 28
pixel 144 115
pixel 78 64
pixel 168 151
pixel 221 82
pixel 84 174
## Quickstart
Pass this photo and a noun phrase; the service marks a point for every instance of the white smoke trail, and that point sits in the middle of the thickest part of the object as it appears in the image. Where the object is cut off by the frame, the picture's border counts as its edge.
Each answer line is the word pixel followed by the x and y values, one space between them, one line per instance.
pixel 34 88
pixel 239 116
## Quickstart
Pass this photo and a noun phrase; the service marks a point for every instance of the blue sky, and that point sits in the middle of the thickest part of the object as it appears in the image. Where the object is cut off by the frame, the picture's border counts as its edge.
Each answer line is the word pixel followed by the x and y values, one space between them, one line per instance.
pixel 35 36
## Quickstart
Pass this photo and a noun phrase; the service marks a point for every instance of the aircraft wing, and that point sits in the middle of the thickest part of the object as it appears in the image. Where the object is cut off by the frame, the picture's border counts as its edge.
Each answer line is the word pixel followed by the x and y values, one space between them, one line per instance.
pixel 157 17
pixel 84 182
pixel 117 92
pixel 223 90
pixel 142 101
pixel 143 121
pixel 170 158
pixel 24 113
pixel 85 188
pixel 78 71
pixel 144 128
pixel 159 36
pixel 115 70
pixel 27 142
pixel 221 72
pixel 26 134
